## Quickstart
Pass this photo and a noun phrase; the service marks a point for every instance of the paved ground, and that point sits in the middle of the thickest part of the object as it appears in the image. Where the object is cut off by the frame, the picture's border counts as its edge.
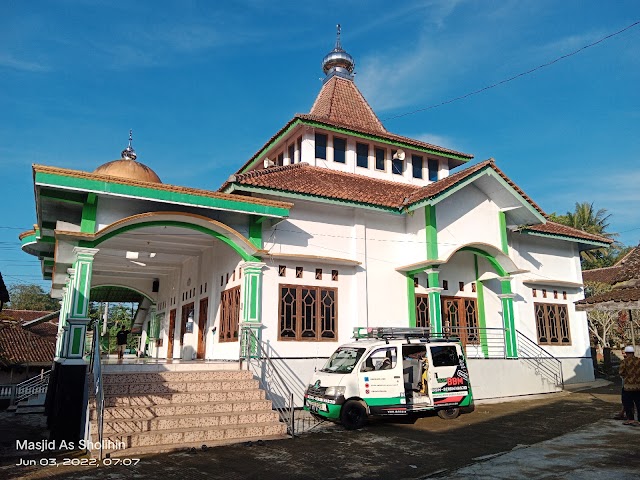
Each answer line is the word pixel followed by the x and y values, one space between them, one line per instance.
pixel 562 436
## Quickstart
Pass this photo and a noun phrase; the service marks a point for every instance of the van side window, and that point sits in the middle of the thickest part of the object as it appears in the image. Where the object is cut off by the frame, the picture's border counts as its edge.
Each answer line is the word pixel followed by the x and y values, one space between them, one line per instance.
pixel 381 359
pixel 445 356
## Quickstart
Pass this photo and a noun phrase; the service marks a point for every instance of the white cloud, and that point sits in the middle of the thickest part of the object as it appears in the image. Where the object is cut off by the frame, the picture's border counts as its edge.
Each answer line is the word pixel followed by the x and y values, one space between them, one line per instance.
pixel 8 61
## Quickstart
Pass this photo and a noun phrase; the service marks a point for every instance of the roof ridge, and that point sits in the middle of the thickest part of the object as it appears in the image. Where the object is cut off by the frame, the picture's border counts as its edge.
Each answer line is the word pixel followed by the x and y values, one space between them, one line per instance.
pixel 265 171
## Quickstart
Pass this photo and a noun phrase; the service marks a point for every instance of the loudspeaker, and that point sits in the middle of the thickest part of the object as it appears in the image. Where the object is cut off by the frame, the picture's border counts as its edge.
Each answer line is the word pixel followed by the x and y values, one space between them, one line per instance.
pixel 156 286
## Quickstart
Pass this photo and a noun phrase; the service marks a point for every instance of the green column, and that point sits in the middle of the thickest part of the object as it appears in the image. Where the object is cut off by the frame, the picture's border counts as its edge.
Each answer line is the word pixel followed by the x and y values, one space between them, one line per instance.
pixel 411 299
pixel 251 311
pixel 78 315
pixel 435 309
pixel 433 275
pixel 506 297
pixel 504 243
pixel 482 321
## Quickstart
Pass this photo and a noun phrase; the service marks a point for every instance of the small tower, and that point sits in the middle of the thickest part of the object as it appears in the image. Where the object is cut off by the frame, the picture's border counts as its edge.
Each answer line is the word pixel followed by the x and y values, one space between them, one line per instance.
pixel 338 62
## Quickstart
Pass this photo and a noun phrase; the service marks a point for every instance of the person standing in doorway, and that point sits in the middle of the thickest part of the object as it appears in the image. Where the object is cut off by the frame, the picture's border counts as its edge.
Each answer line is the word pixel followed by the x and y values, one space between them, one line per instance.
pixel 122 341
pixel 630 372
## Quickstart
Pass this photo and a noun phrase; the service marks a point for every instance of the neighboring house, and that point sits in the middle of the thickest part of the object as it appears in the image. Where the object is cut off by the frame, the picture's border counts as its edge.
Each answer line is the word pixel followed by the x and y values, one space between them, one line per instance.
pixel 27 343
pixel 4 294
pixel 623 298
pixel 334 223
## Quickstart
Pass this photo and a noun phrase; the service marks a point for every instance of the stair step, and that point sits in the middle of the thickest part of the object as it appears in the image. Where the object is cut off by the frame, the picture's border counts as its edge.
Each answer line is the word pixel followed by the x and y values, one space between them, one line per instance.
pixel 208 408
pixel 135 452
pixel 178 437
pixel 178 387
pixel 124 400
pixel 160 424
pixel 154 377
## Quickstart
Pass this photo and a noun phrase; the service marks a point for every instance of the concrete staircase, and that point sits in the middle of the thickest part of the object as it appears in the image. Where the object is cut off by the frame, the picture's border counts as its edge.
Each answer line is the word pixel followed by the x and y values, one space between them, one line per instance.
pixel 154 410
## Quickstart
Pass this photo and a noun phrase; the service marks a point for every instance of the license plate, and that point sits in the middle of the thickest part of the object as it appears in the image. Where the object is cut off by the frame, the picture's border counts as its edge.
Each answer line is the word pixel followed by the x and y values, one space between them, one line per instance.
pixel 317 407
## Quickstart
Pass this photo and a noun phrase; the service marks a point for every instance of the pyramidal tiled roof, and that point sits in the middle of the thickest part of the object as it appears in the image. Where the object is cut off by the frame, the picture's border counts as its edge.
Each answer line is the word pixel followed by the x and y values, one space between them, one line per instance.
pixel 340 101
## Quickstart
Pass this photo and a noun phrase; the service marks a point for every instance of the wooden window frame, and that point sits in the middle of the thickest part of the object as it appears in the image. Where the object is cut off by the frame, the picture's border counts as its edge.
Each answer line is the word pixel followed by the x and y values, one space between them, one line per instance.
pixel 422 310
pixel 229 315
pixel 468 334
pixel 552 321
pixel 295 324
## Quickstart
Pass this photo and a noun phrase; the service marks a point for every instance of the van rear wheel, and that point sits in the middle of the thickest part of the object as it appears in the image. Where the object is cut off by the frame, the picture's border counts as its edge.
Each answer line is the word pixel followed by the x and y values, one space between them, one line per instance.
pixel 449 413
pixel 353 415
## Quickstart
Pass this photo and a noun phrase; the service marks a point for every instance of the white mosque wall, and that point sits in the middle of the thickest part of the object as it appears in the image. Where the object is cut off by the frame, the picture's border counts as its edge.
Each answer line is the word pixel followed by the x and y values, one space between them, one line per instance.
pixel 464 218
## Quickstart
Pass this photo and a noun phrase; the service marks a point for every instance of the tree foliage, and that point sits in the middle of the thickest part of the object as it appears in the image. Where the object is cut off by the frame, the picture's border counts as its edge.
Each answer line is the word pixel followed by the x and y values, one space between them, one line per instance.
pixel 31 297
pixel 119 314
pixel 586 218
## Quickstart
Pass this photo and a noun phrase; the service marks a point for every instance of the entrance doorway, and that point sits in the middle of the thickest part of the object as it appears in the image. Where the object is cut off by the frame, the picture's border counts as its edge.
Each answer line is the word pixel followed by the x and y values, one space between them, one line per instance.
pixel 172 328
pixel 202 324
pixel 460 319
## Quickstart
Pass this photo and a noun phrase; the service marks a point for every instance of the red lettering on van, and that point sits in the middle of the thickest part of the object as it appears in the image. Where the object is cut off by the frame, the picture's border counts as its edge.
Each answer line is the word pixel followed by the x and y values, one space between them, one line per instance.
pixel 454 381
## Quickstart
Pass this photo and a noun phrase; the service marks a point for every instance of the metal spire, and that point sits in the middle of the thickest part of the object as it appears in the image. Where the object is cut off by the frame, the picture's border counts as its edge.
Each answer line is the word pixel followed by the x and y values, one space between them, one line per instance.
pixel 338 44
pixel 129 153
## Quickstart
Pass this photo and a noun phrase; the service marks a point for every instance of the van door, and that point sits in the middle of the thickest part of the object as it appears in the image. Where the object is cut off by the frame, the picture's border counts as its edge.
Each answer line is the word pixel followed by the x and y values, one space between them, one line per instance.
pixel 380 381
pixel 448 375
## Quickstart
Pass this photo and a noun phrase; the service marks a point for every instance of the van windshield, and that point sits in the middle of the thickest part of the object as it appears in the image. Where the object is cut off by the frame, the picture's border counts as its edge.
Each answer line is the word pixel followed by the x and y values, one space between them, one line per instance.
pixel 343 360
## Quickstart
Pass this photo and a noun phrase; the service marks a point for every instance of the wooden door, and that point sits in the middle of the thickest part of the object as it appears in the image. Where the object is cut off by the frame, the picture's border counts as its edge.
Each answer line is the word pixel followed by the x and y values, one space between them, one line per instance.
pixel 172 328
pixel 202 325
pixel 186 311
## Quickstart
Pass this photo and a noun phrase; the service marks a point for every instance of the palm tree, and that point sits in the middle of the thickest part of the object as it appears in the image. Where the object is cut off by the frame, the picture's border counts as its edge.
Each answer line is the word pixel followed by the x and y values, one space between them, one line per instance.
pixel 587 219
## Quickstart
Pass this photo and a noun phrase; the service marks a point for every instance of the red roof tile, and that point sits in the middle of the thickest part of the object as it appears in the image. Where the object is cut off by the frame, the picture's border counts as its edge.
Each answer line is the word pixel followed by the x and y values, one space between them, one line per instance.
pixel 629 267
pixel 340 101
pixel 554 228
pixel 617 295
pixel 18 346
pixel 324 182
pixel 24 315
pixel 601 275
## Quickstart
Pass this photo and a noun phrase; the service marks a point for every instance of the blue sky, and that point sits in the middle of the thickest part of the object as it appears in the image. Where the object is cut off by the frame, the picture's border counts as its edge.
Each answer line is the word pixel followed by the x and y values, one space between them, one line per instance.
pixel 204 84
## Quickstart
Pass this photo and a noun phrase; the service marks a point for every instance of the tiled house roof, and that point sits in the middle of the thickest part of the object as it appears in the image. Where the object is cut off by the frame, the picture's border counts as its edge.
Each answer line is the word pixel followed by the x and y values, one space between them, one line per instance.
pixel 341 105
pixel 20 345
pixel 302 178
pixel 340 101
pixel 619 296
pixel 629 267
pixel 601 275
pixel 554 228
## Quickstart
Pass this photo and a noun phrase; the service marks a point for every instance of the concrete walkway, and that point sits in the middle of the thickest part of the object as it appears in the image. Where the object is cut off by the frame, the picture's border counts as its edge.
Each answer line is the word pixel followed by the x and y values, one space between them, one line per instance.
pixel 557 436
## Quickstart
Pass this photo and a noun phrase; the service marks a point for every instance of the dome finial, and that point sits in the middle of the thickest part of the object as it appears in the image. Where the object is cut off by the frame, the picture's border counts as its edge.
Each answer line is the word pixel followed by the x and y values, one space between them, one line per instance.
pixel 338 62
pixel 129 153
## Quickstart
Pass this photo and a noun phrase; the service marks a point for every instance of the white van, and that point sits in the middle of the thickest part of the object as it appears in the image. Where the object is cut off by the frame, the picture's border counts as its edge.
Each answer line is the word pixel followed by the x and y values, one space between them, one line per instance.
pixel 391 371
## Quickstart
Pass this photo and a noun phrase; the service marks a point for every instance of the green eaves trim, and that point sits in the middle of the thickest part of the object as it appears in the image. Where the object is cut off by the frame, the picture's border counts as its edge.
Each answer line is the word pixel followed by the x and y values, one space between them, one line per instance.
pixel 171 223
pixel 29 239
pixel 487 170
pixel 67 197
pixel 564 237
pixel 270 145
pixel 383 140
pixel 306 196
pixel 119 189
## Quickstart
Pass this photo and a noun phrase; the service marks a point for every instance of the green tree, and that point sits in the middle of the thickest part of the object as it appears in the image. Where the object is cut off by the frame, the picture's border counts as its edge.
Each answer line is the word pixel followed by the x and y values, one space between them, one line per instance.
pixel 31 297
pixel 586 218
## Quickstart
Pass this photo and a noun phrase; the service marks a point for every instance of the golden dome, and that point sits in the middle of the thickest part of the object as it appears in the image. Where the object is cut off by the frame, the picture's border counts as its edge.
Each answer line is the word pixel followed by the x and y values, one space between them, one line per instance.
pixel 125 168
pixel 128 167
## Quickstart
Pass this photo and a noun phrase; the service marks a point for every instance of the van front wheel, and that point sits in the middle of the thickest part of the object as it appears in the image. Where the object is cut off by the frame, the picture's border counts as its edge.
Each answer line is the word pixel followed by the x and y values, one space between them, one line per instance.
pixel 353 415
pixel 449 413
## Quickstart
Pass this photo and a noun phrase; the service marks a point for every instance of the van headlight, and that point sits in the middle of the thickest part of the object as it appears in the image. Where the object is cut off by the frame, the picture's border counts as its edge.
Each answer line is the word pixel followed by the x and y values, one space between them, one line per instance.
pixel 334 391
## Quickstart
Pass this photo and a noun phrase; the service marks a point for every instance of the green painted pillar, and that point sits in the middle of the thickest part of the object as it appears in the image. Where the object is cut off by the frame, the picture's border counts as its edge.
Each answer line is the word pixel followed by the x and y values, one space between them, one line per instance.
pixel 435 305
pixel 78 315
pixel 511 349
pixel 251 309
pixel 64 309
pixel 482 321
pixel 411 299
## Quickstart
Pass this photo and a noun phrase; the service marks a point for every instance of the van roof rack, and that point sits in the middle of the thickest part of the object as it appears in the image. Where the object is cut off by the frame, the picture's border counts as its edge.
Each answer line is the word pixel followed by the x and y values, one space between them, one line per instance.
pixel 402 332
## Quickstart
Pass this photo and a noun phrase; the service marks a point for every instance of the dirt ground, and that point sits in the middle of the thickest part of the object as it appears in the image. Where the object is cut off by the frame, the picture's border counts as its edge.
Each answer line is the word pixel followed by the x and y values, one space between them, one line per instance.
pixel 426 447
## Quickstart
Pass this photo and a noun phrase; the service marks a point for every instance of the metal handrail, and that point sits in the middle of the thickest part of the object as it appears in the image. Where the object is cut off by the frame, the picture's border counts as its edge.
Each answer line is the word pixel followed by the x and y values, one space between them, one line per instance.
pixel 96 369
pixel 286 412
pixel 526 342
pixel 31 386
